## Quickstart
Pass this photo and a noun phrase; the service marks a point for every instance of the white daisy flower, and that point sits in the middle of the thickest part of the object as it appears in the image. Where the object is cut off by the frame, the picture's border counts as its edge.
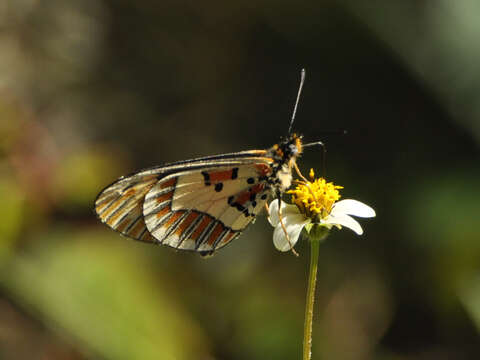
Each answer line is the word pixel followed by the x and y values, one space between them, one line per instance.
pixel 315 203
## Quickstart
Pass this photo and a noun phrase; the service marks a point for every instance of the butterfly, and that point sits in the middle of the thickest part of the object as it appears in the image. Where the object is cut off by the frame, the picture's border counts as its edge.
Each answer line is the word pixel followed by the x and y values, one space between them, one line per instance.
pixel 202 204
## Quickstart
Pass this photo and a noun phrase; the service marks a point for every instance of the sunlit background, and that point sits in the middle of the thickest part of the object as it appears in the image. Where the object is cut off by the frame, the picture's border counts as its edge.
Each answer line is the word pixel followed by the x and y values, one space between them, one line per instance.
pixel 94 89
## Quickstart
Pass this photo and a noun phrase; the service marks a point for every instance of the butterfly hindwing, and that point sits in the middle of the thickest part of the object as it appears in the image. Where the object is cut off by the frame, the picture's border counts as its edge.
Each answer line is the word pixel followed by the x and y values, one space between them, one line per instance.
pixel 204 210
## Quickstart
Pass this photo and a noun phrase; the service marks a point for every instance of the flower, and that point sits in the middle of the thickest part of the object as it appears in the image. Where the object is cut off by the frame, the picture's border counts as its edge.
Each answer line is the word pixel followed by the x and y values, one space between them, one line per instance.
pixel 315 203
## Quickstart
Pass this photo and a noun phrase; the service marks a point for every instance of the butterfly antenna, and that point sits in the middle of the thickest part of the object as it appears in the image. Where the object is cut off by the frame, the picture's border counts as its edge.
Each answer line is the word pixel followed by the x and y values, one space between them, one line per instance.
pixel 324 148
pixel 302 80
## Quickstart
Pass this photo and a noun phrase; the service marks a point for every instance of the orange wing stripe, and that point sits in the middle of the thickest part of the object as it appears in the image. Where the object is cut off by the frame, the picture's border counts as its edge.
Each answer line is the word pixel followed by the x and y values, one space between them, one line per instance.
pixel 263 169
pixel 164 197
pixel 168 183
pixel 114 218
pixel 220 176
pixel 257 188
pixel 121 226
pixel 215 234
pixel 147 237
pixel 173 218
pixel 130 192
pixel 245 196
pixel 205 221
pixel 163 212
pixel 227 238
pixel 113 206
pixel 100 207
pixel 186 223
pixel 137 229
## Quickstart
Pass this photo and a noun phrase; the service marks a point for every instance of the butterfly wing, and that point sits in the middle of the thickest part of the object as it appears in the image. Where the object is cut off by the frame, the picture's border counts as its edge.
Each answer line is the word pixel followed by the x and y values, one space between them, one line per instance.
pixel 120 204
pixel 123 204
pixel 205 210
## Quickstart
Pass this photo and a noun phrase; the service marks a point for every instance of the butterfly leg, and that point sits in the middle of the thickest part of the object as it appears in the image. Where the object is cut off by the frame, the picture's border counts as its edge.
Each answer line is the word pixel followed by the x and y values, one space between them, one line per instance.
pixel 283 226
pixel 305 181
pixel 297 170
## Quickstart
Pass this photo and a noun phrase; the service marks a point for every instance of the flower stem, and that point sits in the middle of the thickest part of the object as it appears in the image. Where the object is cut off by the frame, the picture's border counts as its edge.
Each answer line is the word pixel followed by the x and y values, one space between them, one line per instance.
pixel 312 280
pixel 316 234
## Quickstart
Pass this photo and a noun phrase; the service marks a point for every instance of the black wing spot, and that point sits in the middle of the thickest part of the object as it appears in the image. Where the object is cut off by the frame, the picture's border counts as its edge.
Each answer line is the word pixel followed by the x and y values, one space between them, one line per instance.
pixel 230 200
pixel 254 203
pixel 250 180
pixel 234 173
pixel 206 178
pixel 239 207
pixel 264 196
pixel 218 187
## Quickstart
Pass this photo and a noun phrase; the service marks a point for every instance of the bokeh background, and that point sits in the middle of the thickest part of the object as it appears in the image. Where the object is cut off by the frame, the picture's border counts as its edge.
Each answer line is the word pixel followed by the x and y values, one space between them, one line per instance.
pixel 94 89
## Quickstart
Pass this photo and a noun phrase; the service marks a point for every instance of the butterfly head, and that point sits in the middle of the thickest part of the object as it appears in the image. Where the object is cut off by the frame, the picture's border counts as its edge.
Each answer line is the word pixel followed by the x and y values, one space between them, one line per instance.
pixel 288 149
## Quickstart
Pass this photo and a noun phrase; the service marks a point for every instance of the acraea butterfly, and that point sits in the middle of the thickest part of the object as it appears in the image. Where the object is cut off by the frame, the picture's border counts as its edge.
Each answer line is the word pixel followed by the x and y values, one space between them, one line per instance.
pixel 201 204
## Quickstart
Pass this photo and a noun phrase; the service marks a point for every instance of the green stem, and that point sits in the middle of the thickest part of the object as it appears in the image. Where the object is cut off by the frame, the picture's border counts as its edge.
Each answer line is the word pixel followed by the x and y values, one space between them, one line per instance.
pixel 312 280
pixel 316 234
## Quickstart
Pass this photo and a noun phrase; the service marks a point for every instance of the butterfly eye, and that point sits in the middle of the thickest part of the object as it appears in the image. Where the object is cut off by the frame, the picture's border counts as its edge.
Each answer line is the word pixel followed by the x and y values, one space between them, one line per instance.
pixel 293 149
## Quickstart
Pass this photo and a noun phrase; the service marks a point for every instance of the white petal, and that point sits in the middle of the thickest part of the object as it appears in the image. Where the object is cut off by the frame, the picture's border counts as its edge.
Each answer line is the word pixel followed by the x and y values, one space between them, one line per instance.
pixel 344 220
pixel 286 210
pixel 294 225
pixel 352 207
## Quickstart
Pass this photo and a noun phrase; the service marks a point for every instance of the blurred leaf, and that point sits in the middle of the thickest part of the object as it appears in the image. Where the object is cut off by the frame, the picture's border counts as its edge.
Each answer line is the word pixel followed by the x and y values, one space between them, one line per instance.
pixel 444 223
pixel 268 322
pixel 83 174
pixel 357 315
pixel 470 296
pixel 105 297
pixel 11 213
pixel 443 212
pixel 10 120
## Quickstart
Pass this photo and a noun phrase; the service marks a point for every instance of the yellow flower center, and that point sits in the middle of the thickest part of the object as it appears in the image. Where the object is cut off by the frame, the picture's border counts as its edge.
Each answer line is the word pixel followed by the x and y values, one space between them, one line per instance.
pixel 315 198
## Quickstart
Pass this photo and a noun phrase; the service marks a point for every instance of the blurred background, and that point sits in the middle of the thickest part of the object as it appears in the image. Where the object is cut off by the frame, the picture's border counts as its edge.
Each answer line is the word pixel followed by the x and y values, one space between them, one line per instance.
pixel 94 89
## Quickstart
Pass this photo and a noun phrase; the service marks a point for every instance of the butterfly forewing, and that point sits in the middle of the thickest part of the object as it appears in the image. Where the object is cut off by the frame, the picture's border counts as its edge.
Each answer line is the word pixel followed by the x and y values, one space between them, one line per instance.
pixel 120 205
